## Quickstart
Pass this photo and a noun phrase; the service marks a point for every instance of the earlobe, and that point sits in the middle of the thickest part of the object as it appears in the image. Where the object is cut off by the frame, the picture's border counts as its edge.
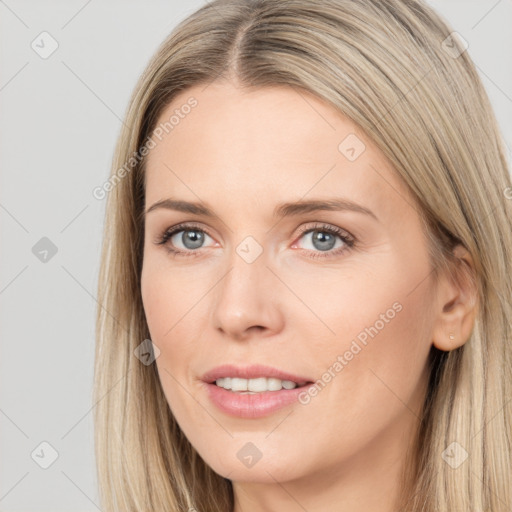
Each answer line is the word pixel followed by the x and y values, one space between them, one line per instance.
pixel 449 342
pixel 458 305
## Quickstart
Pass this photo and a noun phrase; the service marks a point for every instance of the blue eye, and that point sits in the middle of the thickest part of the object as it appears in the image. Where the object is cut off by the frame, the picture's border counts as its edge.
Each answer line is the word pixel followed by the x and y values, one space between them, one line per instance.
pixel 324 237
pixel 192 238
pixel 323 240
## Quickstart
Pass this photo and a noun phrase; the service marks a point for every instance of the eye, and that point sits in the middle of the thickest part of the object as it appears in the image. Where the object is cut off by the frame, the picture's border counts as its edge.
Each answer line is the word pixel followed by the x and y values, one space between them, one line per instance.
pixel 188 235
pixel 323 238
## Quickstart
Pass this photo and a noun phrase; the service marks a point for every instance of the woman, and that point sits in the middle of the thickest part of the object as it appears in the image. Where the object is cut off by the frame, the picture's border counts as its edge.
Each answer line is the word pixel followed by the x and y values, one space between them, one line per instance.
pixel 305 293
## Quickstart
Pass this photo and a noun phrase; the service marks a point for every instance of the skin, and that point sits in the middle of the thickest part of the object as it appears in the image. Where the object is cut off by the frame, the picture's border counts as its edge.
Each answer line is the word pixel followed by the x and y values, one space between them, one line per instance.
pixel 241 153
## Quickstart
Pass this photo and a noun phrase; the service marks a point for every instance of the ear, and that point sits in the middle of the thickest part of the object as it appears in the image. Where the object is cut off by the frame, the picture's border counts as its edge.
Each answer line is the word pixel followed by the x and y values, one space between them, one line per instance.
pixel 457 304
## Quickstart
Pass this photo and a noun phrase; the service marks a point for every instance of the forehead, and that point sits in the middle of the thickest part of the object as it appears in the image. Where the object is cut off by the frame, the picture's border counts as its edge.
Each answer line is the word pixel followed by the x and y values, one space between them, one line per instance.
pixel 259 145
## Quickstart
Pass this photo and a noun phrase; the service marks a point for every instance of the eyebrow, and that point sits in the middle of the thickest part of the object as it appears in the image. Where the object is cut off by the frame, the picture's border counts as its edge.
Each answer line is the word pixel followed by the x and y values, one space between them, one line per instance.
pixel 280 211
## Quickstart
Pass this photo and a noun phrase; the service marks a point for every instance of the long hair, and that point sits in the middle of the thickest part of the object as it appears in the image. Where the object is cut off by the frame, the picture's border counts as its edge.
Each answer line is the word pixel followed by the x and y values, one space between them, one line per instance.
pixel 393 68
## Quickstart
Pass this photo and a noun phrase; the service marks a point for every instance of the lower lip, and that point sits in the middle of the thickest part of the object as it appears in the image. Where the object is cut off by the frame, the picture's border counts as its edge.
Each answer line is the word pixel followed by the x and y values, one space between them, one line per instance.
pixel 255 405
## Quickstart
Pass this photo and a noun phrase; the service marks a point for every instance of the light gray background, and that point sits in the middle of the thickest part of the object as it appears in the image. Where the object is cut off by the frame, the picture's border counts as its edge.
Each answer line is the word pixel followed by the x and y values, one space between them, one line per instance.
pixel 60 118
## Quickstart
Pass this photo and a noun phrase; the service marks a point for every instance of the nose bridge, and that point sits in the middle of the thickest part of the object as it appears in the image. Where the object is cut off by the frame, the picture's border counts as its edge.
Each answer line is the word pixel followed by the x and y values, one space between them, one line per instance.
pixel 246 296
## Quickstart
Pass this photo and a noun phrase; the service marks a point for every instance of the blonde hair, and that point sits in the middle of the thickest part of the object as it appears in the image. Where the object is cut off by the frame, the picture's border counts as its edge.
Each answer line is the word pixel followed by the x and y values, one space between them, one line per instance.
pixel 388 66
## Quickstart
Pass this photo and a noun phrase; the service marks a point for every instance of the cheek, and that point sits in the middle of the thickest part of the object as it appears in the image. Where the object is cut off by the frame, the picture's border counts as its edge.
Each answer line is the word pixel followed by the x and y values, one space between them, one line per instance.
pixel 175 307
pixel 373 367
pixel 371 338
pixel 172 298
pixel 171 306
pixel 363 299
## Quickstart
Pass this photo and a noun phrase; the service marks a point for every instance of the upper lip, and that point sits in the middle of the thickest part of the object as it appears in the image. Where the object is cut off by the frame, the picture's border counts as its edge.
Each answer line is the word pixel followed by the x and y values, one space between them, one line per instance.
pixel 251 372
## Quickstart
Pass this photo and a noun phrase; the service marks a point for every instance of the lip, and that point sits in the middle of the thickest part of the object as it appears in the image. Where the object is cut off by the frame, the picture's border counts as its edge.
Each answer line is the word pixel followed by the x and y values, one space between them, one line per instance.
pixel 251 372
pixel 252 406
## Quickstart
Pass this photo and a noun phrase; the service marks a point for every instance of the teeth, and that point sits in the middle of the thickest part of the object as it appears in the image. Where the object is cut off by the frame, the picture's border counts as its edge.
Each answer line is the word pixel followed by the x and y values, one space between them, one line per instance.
pixel 257 385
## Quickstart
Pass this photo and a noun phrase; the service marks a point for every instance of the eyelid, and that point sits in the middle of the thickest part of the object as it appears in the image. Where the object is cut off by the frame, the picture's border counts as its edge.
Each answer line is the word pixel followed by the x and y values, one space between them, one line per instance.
pixel 319 226
pixel 182 226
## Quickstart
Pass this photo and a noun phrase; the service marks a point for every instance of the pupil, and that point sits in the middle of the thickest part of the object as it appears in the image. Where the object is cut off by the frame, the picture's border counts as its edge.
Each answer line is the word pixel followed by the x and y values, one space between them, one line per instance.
pixel 323 241
pixel 192 239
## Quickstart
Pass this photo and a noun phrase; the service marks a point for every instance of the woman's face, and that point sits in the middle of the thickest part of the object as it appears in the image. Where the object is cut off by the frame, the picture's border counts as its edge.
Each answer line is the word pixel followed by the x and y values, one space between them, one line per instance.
pixel 339 297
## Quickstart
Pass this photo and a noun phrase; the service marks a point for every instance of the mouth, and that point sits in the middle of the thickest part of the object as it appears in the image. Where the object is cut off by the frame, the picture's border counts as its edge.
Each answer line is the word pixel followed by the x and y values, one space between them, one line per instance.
pixel 252 379
pixel 256 385
pixel 254 396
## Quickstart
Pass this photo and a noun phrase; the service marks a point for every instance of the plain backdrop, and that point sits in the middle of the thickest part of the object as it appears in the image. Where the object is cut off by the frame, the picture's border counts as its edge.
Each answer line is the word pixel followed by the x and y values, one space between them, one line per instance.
pixel 60 118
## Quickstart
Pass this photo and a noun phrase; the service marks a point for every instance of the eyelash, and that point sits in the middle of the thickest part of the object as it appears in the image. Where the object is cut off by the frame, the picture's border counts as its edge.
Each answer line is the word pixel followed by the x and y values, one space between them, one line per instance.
pixel 347 239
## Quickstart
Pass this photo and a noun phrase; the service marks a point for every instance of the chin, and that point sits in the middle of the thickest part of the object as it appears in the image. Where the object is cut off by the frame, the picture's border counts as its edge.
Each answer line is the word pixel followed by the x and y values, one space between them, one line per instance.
pixel 262 471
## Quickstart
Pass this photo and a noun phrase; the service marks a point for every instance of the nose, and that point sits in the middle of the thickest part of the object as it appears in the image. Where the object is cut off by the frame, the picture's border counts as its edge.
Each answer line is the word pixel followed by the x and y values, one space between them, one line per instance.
pixel 247 300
